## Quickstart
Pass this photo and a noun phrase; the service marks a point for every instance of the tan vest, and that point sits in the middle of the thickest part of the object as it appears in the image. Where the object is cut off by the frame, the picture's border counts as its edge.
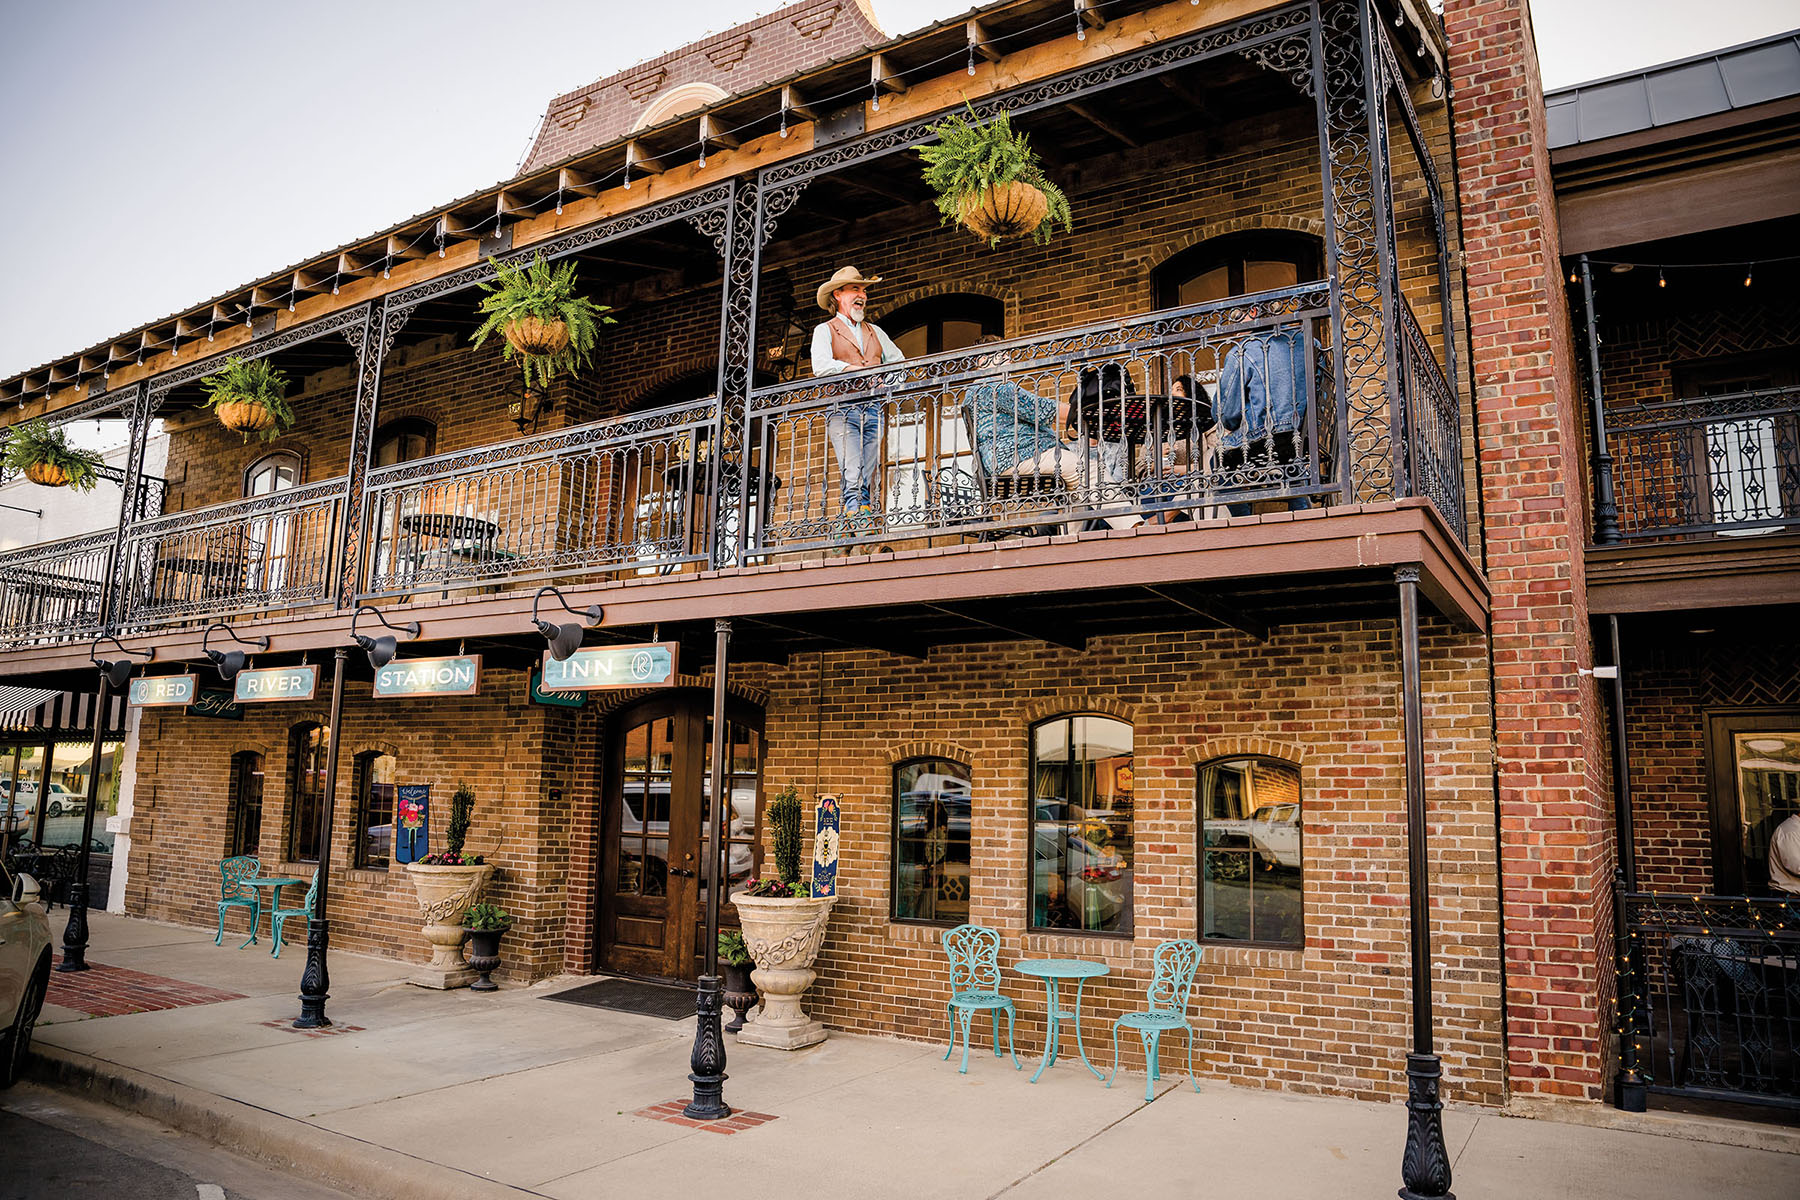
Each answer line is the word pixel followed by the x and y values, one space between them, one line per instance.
pixel 845 349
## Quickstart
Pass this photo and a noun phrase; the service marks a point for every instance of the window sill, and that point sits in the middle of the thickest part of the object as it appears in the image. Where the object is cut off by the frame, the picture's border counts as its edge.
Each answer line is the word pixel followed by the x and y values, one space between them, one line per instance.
pixel 1232 954
pixel 917 933
pixel 371 875
pixel 1108 947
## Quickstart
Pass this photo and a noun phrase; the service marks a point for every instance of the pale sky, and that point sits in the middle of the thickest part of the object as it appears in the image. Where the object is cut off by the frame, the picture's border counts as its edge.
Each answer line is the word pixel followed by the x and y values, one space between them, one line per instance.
pixel 155 154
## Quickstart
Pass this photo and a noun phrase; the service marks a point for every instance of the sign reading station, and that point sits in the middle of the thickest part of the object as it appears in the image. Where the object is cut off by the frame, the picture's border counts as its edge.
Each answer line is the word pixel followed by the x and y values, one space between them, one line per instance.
pixel 156 691
pixel 276 683
pixel 430 677
pixel 650 664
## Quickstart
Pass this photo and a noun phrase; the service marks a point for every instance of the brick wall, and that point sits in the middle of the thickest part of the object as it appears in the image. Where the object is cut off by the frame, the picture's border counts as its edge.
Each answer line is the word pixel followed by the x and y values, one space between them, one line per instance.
pixel 1555 823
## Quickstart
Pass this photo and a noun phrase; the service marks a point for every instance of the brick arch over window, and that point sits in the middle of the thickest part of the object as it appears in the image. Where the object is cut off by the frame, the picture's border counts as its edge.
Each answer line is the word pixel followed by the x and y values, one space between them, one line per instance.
pixel 372 746
pixel 703 370
pixel 1008 298
pixel 610 702
pixel 1080 705
pixel 683 99
pixel 1245 747
pixel 901 752
pixel 1167 255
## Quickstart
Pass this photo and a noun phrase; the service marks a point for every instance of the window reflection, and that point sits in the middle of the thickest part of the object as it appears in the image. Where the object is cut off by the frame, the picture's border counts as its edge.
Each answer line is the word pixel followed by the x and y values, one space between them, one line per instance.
pixel 1250 870
pixel 1082 850
pixel 932 811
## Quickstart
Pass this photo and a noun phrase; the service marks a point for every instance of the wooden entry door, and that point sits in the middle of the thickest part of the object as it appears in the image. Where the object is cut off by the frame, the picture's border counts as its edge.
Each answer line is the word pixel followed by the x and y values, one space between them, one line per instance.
pixel 653 875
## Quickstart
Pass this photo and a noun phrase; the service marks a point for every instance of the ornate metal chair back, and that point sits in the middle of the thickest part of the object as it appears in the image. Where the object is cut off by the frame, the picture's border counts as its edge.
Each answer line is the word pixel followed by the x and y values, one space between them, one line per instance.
pixel 974 952
pixel 1173 981
pixel 234 874
pixel 312 895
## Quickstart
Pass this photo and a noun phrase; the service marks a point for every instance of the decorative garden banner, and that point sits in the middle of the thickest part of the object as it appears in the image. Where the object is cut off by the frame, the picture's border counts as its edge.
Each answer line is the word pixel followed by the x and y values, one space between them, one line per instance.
pixel 412 821
pixel 825 848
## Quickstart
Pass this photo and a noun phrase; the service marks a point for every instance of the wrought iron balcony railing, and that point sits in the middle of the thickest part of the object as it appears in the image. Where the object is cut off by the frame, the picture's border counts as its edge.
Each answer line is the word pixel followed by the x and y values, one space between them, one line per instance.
pixel 619 495
pixel 1433 423
pixel 254 555
pixel 1712 465
pixel 56 591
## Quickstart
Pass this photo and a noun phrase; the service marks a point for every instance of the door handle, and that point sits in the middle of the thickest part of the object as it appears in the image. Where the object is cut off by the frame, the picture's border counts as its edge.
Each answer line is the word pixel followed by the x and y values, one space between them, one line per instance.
pixel 681 871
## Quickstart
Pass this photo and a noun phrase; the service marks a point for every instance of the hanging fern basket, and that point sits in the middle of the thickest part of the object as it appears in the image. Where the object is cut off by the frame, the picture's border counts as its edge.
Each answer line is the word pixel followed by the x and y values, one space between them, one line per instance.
pixel 245 416
pixel 1009 210
pixel 539 338
pixel 47 474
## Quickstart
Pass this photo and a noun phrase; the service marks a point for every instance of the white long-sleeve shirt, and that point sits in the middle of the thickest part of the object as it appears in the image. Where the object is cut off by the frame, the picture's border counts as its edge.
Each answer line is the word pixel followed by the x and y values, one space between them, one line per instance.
pixel 822 361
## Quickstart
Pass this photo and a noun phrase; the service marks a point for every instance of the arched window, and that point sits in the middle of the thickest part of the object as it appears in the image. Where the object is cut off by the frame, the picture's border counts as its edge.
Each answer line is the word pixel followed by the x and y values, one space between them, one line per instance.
pixel 308 747
pixel 676 101
pixel 404 440
pixel 1250 852
pixel 1236 264
pixel 246 803
pixel 275 472
pixel 937 324
pixel 931 841
pixel 375 777
pixel 1081 824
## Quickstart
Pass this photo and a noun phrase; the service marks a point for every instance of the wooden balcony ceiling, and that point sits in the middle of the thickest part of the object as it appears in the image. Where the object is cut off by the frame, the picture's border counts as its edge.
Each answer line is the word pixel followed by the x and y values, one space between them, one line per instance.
pixel 1694 574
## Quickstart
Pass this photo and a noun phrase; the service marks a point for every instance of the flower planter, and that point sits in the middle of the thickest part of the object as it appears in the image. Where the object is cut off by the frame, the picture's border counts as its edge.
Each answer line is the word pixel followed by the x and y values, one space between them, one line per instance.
pixel 444 893
pixel 784 936
pixel 245 416
pixel 48 474
pixel 484 956
pixel 530 335
pixel 740 994
pixel 1010 210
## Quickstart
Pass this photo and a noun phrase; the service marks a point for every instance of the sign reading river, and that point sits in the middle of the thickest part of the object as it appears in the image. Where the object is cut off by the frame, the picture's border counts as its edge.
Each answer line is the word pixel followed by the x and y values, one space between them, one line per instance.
pixel 275 683
pixel 430 677
pixel 651 664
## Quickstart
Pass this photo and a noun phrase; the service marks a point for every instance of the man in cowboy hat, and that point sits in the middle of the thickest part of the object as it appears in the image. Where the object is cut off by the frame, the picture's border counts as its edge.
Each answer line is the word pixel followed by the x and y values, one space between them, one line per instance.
pixel 846 342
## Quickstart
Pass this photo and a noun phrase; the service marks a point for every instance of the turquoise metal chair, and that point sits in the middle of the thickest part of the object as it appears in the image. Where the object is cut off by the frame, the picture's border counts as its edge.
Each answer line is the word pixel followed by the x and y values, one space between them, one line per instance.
pixel 278 915
pixel 1170 987
pixel 974 952
pixel 235 892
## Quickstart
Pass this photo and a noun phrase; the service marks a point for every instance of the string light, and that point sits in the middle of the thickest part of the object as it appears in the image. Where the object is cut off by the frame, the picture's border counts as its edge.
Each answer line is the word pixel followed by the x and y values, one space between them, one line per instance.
pixel 1748 273
pixel 1661 280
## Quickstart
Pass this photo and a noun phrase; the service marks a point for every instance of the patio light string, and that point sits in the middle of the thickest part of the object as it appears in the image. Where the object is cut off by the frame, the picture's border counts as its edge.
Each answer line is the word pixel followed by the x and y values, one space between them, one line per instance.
pixel 1620 266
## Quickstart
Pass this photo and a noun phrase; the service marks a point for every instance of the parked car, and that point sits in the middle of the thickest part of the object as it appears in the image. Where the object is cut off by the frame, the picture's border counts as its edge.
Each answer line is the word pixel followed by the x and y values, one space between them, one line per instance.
pixel 740 859
pixel 1273 831
pixel 61 800
pixel 24 969
pixel 17 818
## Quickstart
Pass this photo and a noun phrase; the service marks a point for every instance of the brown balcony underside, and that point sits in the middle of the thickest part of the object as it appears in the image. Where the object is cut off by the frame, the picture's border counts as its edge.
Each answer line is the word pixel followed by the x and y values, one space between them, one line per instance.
pixel 1708 573
pixel 1251 573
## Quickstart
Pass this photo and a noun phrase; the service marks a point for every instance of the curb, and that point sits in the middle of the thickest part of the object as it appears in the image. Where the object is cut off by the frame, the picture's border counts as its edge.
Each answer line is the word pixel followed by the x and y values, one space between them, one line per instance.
pixel 325 1156
pixel 1718 1131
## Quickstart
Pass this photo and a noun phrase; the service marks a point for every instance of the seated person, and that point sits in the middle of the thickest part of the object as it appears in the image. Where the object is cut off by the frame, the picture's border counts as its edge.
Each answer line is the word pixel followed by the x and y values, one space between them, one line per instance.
pixel 1102 391
pixel 1261 408
pixel 1018 433
pixel 1177 453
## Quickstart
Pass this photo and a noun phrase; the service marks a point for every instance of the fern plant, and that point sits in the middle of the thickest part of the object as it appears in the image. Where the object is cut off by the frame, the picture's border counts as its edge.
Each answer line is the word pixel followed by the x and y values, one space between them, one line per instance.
pixel 255 381
pixel 972 157
pixel 38 442
pixel 544 293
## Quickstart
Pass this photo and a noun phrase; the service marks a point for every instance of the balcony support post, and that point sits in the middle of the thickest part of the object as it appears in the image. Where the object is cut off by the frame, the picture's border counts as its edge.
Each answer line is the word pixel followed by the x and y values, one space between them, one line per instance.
pixel 1630 1087
pixel 371 344
pixel 707 1066
pixel 741 248
pixel 111 602
pixel 315 980
pixel 1606 502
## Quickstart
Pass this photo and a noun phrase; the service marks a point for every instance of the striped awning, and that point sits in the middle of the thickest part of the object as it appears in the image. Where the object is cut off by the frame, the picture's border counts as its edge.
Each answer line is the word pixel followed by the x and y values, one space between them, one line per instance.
pixel 41 711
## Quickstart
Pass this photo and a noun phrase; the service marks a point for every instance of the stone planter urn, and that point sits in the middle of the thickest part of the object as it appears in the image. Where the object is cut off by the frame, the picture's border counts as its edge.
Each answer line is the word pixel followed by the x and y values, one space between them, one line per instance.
pixel 784 935
pixel 444 894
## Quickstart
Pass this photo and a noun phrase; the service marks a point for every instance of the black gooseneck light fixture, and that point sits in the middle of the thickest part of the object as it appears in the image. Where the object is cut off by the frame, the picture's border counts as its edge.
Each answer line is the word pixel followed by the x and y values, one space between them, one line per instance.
pixel 381 650
pixel 116 673
pixel 564 639
pixel 229 662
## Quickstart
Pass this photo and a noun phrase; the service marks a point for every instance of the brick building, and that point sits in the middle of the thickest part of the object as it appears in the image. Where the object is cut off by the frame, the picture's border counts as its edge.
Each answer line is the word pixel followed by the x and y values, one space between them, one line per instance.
pixel 1193 696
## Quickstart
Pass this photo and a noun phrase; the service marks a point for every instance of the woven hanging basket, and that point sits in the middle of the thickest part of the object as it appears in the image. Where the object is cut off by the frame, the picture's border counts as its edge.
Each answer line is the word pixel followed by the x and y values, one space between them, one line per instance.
pixel 48 474
pixel 529 335
pixel 1010 210
pixel 245 416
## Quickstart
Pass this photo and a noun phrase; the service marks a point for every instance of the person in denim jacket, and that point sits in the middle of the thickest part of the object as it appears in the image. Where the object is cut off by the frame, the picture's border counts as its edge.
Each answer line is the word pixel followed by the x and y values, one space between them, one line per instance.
pixel 1019 433
pixel 1260 405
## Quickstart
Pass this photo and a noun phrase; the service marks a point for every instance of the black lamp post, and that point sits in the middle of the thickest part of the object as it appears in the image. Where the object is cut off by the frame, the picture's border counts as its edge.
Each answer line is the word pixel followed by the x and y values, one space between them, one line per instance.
pixel 229 662
pixel 707 1065
pixel 113 677
pixel 564 639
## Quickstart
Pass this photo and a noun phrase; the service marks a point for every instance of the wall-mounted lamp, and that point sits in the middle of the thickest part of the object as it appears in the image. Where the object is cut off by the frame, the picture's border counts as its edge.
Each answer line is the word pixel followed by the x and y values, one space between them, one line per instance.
pixel 381 649
pixel 116 673
pixel 564 639
pixel 229 662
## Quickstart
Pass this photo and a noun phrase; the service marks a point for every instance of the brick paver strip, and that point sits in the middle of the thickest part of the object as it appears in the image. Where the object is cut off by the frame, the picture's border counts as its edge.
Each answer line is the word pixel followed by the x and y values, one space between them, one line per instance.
pixel 669 1112
pixel 103 991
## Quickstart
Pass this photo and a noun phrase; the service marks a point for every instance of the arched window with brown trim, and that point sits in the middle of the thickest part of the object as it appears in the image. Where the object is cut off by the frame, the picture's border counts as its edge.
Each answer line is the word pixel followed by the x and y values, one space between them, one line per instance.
pixel 376 773
pixel 952 321
pixel 403 440
pixel 1082 846
pixel 1237 264
pixel 275 472
pixel 1251 864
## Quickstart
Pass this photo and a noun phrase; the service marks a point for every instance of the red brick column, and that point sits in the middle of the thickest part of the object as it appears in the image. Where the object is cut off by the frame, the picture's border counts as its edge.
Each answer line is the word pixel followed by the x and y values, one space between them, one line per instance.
pixel 1556 848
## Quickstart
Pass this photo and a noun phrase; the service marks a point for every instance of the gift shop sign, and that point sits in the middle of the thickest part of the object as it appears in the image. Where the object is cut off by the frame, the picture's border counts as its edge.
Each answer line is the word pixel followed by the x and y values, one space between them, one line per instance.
pixel 430 677
pixel 651 664
pixel 158 691
pixel 276 683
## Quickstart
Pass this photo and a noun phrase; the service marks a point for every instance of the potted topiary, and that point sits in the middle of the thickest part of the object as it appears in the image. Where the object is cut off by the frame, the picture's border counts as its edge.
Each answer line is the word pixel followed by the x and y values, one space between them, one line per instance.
pixel 448 884
pixel 987 177
pixel 485 923
pixel 784 926
pixel 43 453
pixel 250 396
pixel 740 993
pixel 549 327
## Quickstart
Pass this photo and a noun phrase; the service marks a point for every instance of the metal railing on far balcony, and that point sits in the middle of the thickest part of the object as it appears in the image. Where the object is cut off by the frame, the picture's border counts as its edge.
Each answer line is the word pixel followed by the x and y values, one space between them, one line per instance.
pixel 55 591
pixel 1719 465
pixel 617 495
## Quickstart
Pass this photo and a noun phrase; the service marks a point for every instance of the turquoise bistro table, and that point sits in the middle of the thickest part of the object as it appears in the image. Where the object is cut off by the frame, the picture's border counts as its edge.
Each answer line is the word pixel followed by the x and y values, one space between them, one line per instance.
pixel 1052 970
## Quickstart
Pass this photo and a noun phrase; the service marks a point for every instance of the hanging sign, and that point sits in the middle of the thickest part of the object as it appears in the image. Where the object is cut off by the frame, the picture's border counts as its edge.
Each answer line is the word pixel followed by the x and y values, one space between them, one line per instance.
pixel 217 704
pixel 459 676
pixel 158 691
pixel 276 683
pixel 651 664
pixel 825 847
pixel 412 821
pixel 555 699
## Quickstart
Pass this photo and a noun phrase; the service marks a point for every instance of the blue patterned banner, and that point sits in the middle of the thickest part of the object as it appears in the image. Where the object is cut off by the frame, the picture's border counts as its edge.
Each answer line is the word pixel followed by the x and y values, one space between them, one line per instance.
pixel 412 821
pixel 825 848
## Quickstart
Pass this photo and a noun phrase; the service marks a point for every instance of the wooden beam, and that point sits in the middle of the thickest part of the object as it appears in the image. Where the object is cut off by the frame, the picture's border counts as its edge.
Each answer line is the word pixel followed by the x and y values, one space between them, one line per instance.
pixel 884 75
pixel 265 296
pixel 578 183
pixel 1089 12
pixel 982 40
pixel 798 104
pixel 400 246
pixel 639 162
pixel 1212 608
pixel 712 135
pixel 845 633
pixel 312 280
pixel 356 264
pixel 1104 126
pixel 1006 619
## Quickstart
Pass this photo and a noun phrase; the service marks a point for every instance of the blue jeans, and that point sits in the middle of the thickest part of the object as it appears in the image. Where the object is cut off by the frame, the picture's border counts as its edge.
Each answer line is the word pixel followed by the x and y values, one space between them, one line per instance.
pixel 855 433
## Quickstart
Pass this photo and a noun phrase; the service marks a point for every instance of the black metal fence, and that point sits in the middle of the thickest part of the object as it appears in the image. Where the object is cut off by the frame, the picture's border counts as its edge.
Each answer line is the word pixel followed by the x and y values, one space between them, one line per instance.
pixel 1709 996
pixel 55 591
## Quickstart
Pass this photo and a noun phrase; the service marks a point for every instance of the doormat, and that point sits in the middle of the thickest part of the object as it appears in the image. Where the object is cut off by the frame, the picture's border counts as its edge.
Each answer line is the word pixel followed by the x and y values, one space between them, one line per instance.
pixel 633 996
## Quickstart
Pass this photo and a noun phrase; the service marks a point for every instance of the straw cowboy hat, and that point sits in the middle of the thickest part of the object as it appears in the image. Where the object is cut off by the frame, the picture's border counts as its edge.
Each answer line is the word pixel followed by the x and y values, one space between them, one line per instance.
pixel 844 278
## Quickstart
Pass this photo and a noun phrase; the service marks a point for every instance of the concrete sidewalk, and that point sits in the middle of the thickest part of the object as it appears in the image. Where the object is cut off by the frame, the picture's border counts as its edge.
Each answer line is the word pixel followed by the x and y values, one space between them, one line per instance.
pixel 435 1094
